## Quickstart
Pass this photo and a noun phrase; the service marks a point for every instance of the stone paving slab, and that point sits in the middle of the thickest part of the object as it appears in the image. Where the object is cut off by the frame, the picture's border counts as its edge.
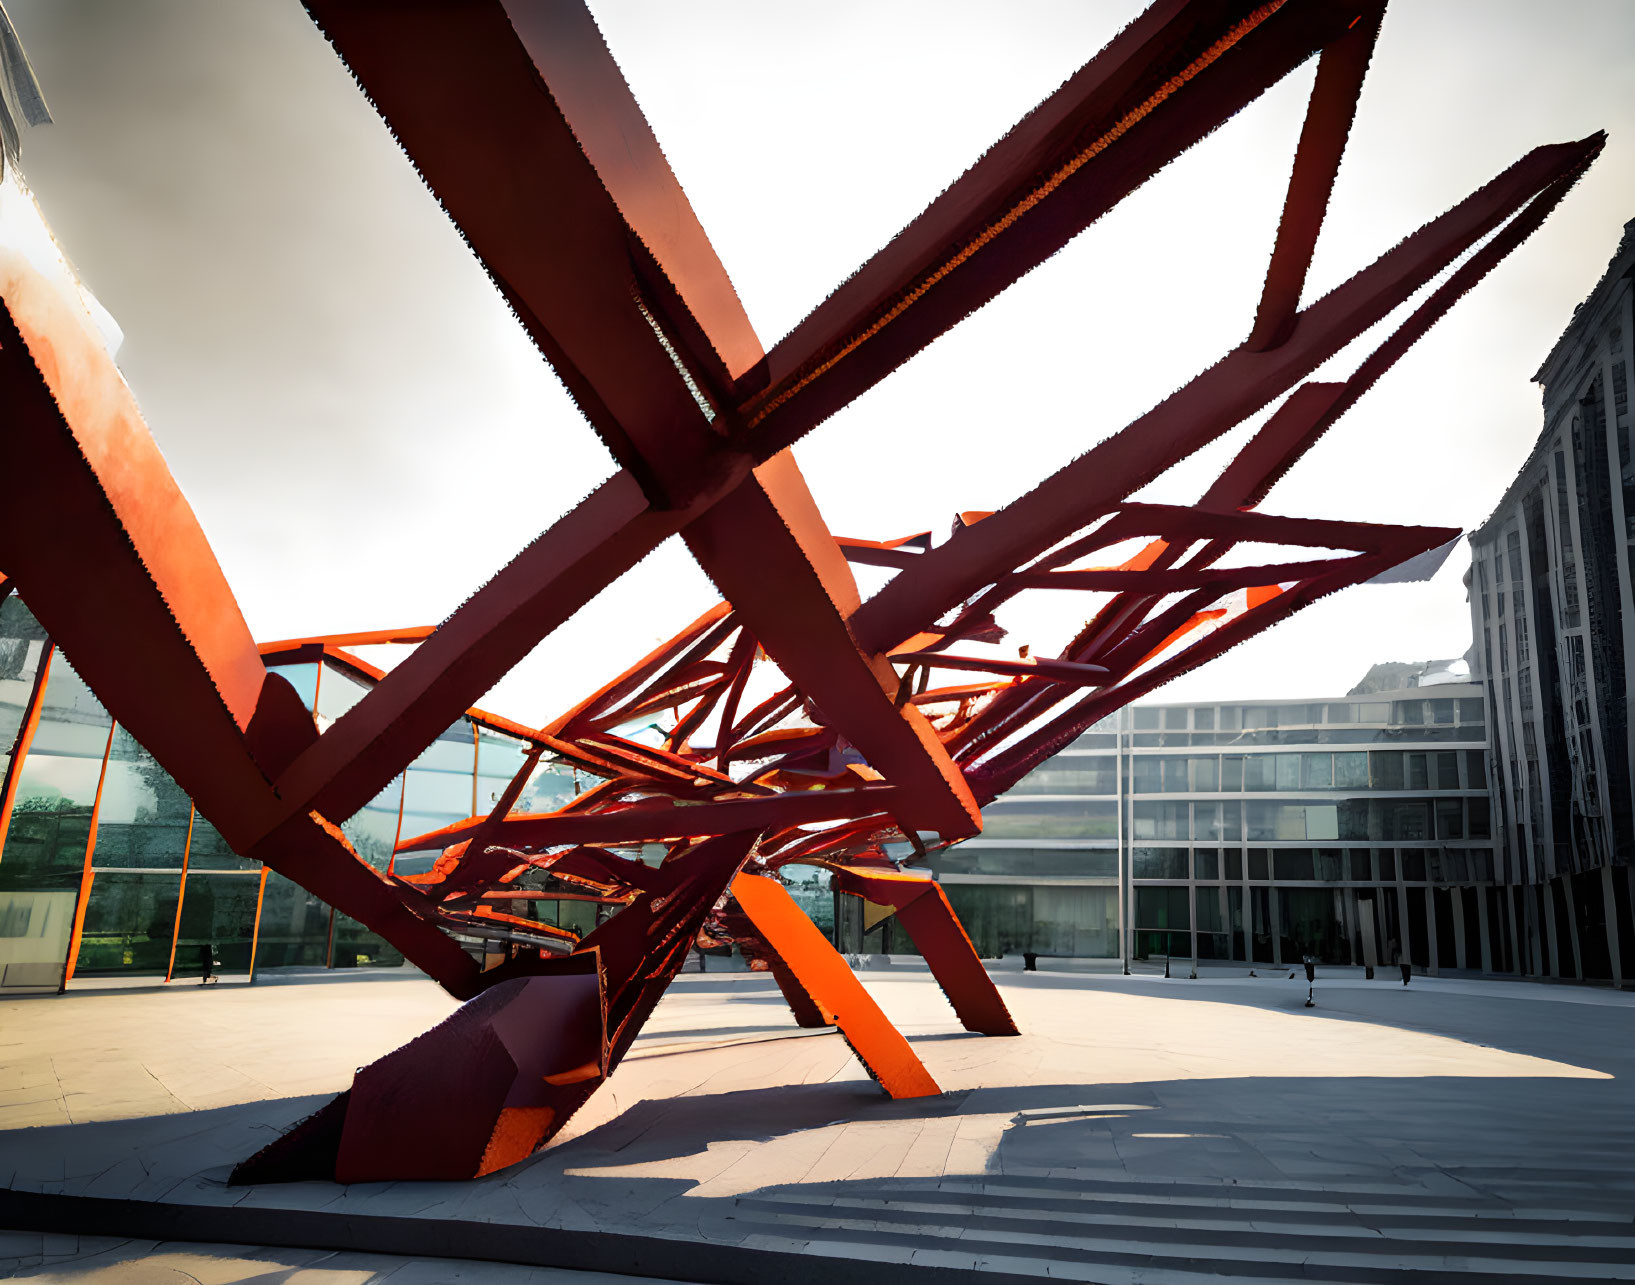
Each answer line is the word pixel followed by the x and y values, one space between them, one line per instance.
pixel 1140 1129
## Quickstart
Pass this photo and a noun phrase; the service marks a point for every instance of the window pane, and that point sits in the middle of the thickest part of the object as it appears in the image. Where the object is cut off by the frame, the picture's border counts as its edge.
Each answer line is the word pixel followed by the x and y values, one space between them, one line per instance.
pixel 1204 719
pixel 357 947
pixel 1231 773
pixel 1293 864
pixel 1316 771
pixel 1206 775
pixel 1207 860
pixel 1322 821
pixel 144 815
pixel 1159 908
pixel 1417 775
pixel 1206 821
pixel 56 788
pixel 499 759
pixel 304 678
pixel 294 928
pixel 1156 821
pixel 1450 822
pixel 372 830
pixel 1480 825
pixel 128 923
pixel 209 851
pixel 1071 775
pixel 22 644
pixel 338 692
pixel 1209 910
pixel 218 912
pixel 1475 770
pixel 1158 863
pixel 1351 771
pixel 1175 719
pixel 552 786
pixel 1028 862
pixel 1013 818
pixel 1385 769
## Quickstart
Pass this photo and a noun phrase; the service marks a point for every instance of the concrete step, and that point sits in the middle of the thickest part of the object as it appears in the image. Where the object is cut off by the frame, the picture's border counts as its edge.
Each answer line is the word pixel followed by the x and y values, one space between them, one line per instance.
pixel 1129 1228
pixel 1369 1202
pixel 1428 1223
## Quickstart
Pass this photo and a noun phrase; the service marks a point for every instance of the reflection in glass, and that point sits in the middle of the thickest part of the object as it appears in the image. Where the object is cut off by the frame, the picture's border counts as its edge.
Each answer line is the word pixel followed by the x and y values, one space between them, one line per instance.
pixel 128 923
pixel 56 788
pixel 357 947
pixel 1158 863
pixel 338 692
pixel 143 820
pixel 499 759
pixel 372 829
pixel 209 851
pixel 1051 818
pixel 294 926
pixel 304 678
pixel 1090 774
pixel 218 912
pixel 1082 863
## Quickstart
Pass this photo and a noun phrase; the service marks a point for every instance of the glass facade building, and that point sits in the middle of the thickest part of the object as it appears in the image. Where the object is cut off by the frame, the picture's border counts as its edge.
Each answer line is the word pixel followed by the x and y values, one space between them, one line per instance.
pixel 1552 611
pixel 107 868
pixel 1350 829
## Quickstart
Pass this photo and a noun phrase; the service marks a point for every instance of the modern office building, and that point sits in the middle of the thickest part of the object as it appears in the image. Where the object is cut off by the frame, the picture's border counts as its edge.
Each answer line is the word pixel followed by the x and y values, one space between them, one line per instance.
pixel 1552 610
pixel 1348 829
pixel 107 868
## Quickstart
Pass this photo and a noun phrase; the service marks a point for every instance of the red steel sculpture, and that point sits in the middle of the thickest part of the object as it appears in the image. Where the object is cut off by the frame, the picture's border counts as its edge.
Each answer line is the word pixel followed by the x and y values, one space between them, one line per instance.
pixel 522 126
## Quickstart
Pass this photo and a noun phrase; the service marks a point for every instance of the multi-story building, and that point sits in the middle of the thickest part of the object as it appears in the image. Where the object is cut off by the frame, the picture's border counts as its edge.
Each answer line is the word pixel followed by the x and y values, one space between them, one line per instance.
pixel 1349 829
pixel 1552 610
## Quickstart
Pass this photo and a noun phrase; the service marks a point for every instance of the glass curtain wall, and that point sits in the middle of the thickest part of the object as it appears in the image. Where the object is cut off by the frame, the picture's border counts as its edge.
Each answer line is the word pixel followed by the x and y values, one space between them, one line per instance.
pixel 106 868
pixel 1256 833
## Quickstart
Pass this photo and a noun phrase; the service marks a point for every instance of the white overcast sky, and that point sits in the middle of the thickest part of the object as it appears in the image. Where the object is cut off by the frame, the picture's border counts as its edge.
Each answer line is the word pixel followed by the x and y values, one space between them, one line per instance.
pixel 367 435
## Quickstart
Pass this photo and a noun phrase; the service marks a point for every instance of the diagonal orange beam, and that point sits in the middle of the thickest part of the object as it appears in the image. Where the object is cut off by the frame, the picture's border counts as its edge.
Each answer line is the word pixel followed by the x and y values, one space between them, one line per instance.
pixel 833 986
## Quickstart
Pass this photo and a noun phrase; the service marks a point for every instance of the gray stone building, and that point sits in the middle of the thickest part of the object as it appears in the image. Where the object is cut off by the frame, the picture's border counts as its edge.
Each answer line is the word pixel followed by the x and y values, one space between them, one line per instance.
pixel 1552 610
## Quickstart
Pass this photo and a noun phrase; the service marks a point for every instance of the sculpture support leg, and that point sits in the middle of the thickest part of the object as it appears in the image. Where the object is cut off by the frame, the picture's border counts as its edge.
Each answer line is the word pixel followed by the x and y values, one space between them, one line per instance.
pixel 878 1044
pixel 922 908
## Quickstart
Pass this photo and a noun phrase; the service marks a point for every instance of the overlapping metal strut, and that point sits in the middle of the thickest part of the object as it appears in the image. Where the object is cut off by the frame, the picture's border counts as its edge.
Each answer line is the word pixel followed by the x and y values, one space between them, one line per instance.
pixel 521 124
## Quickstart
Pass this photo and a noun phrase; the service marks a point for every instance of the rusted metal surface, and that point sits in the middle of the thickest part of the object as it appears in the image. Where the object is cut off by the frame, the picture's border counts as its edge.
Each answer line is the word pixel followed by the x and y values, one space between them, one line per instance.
pixel 797 721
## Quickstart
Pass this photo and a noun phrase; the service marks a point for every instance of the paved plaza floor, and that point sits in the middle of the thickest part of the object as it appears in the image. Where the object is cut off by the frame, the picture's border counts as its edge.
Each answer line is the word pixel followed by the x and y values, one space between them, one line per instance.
pixel 1141 1129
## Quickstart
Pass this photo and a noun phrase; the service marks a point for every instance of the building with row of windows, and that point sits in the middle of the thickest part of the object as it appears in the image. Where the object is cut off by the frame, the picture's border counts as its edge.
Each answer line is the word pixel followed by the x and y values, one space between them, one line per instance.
pixel 1356 830
pixel 106 867
pixel 1552 611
